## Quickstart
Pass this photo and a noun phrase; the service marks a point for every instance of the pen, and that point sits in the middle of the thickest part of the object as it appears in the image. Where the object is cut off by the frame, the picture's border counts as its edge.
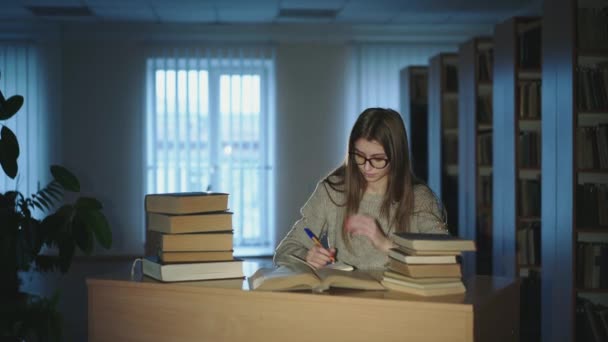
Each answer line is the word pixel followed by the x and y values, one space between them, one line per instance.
pixel 315 239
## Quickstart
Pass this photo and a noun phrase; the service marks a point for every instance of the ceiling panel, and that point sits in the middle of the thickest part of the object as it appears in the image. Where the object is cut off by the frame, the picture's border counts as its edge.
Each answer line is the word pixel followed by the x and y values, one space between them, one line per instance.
pixel 265 11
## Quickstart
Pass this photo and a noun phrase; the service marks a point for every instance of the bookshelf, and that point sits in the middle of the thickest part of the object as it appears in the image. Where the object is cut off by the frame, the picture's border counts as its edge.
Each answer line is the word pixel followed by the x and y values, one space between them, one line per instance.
pixel 443 132
pixel 575 173
pixel 475 69
pixel 414 108
pixel 516 189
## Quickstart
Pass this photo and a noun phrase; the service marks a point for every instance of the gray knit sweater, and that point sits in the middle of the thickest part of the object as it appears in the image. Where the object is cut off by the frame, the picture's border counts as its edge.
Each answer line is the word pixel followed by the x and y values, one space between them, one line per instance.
pixel 320 211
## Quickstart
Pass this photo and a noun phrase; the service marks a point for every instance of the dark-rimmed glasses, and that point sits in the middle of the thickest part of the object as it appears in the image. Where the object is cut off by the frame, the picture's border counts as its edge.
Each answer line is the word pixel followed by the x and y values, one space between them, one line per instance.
pixel 375 162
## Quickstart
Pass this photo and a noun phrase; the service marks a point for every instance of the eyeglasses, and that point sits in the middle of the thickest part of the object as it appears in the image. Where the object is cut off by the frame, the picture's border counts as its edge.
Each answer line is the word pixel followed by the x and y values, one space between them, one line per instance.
pixel 376 163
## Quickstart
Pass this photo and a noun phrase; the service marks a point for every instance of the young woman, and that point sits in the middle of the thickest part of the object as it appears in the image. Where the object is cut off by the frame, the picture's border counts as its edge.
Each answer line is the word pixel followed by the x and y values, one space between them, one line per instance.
pixel 371 195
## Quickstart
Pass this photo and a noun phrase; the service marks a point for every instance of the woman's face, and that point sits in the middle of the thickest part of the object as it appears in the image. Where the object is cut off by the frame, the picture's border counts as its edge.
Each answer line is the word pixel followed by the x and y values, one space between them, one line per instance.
pixel 368 152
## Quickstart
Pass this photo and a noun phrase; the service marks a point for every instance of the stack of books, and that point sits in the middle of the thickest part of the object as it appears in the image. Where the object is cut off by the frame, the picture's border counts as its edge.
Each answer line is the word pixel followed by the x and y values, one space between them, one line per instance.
pixel 189 237
pixel 426 264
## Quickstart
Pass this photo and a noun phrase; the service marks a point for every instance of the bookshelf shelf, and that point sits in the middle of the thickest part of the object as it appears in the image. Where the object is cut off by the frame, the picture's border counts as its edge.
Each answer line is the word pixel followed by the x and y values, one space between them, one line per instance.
pixel 529 173
pixel 593 230
pixel 530 74
pixel 528 218
pixel 587 290
pixel 529 125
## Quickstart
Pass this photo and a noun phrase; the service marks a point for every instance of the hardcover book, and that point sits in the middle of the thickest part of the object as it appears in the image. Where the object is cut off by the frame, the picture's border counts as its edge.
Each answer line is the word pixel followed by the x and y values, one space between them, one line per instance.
pixel 172 257
pixel 152 267
pixel 186 202
pixel 425 271
pixel 434 242
pixel 421 259
pixel 190 223
pixel 200 242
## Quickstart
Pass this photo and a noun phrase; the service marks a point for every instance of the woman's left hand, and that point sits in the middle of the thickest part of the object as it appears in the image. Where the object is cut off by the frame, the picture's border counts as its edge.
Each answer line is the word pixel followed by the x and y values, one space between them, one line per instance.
pixel 366 226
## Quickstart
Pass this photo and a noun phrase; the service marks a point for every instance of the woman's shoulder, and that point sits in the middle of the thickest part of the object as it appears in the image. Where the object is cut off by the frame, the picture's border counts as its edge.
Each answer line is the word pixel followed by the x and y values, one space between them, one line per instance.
pixel 423 194
pixel 332 187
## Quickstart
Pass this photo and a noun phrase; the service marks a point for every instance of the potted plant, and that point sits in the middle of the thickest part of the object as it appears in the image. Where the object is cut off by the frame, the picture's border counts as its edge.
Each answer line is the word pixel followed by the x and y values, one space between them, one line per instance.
pixel 64 227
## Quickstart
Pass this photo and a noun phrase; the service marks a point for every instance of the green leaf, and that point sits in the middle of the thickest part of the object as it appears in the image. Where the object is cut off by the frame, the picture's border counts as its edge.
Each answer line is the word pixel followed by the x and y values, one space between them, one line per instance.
pixel 48 199
pixel 88 203
pixel 83 235
pixel 99 225
pixel 41 201
pixel 10 107
pixel 67 248
pixel 65 178
pixel 53 193
pixel 9 152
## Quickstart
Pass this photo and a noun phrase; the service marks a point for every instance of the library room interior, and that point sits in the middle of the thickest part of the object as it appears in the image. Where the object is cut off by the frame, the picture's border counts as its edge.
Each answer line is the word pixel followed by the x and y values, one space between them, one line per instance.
pixel 232 170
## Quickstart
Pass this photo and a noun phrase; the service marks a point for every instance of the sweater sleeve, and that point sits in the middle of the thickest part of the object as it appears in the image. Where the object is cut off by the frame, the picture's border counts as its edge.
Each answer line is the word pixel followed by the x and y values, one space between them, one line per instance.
pixel 314 216
pixel 428 215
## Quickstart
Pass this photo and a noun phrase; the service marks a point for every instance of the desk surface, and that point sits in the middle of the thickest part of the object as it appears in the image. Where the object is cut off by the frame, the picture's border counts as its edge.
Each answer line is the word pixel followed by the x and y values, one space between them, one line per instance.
pixel 140 309
pixel 479 288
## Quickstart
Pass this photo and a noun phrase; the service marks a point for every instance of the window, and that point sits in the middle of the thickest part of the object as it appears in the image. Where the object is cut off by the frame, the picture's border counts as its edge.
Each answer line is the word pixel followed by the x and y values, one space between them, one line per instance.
pixel 208 129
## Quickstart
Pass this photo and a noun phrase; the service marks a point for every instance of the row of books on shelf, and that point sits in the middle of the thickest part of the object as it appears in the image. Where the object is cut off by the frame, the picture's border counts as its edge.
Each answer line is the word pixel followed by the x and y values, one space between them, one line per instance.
pixel 592 28
pixel 419 90
pixel 529 99
pixel 530 47
pixel 484 109
pixel 529 197
pixel 485 62
pixel 592 147
pixel 592 318
pixel 451 78
pixel 450 149
pixel 592 265
pixel 189 237
pixel 528 243
pixel 449 113
pixel 529 149
pixel 591 204
pixel 484 190
pixel 592 87
pixel 484 148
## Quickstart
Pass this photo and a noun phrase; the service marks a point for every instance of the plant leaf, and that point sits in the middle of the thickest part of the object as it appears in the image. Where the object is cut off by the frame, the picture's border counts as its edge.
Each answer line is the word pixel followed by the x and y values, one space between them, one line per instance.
pixel 66 253
pixel 39 199
pixel 9 152
pixel 99 225
pixel 48 199
pixel 10 107
pixel 65 178
pixel 53 193
pixel 88 203
pixel 83 235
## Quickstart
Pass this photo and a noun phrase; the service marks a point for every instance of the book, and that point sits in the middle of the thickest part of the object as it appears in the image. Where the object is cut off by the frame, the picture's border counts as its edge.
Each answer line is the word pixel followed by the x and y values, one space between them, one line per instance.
pixel 190 223
pixel 399 276
pixel 186 202
pixel 421 259
pixel 425 271
pixel 172 257
pixel 152 267
pixel 289 278
pixel 435 242
pixel 438 289
pixel 410 251
pixel 200 242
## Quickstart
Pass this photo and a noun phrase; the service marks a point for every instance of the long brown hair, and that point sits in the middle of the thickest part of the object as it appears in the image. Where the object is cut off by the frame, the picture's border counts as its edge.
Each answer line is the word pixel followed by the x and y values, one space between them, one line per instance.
pixel 386 127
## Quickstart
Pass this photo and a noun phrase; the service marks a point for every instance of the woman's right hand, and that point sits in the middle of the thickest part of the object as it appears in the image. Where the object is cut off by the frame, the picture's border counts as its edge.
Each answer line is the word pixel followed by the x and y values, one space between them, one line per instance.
pixel 319 256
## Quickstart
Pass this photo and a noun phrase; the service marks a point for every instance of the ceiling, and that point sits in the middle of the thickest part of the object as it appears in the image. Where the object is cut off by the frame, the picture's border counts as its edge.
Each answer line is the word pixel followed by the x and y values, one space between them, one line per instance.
pixel 391 12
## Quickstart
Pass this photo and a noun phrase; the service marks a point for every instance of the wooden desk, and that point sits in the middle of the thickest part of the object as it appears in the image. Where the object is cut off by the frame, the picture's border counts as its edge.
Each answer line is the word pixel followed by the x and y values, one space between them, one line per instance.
pixel 121 309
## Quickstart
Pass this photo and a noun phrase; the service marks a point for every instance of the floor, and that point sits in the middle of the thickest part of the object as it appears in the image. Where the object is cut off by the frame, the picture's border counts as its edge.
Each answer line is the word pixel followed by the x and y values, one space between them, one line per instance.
pixel 73 291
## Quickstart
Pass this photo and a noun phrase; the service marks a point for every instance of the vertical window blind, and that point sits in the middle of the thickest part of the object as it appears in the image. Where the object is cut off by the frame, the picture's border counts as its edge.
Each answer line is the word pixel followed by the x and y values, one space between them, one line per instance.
pixel 209 117
pixel 20 75
pixel 375 71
